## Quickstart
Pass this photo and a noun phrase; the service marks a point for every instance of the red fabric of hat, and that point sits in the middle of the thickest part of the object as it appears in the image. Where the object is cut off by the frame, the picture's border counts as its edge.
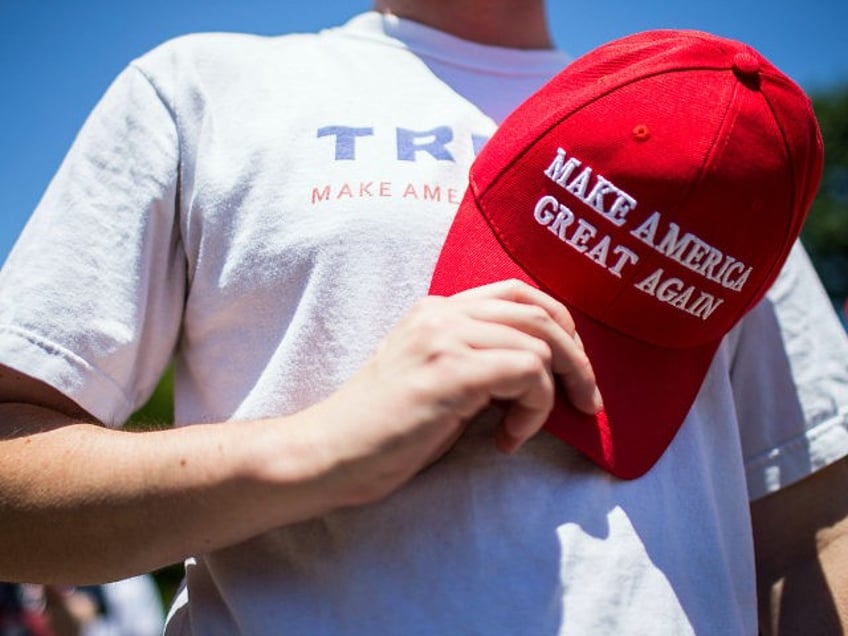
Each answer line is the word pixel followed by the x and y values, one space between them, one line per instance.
pixel 655 187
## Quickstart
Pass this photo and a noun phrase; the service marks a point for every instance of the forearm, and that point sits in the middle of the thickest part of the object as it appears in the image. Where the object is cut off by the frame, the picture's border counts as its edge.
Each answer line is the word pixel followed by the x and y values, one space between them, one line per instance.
pixel 833 558
pixel 810 595
pixel 801 537
pixel 80 503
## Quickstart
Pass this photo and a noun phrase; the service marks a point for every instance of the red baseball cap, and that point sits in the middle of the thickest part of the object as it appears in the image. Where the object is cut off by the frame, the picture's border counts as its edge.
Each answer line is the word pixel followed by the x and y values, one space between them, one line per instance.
pixel 655 187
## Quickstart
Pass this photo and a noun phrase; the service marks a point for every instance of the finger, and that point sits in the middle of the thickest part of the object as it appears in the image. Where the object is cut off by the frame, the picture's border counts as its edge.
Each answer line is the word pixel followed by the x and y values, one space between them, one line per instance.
pixel 522 378
pixel 508 442
pixel 519 425
pixel 485 334
pixel 581 386
pixel 528 318
pixel 569 359
pixel 521 292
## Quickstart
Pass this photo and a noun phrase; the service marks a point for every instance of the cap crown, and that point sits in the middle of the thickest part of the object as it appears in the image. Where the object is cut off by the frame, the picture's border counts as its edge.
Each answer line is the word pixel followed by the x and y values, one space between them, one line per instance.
pixel 657 185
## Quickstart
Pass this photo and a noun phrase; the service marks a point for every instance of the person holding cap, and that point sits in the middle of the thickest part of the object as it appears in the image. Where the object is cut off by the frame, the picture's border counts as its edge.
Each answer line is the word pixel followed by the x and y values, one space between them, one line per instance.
pixel 433 243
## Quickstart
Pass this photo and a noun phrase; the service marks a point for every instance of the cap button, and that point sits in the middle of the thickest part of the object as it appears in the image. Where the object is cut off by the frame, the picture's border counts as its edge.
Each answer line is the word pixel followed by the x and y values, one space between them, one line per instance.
pixel 746 65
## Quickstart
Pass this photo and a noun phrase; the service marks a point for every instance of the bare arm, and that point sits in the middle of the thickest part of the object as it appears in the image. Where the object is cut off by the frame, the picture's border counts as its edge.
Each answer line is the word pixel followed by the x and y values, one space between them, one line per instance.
pixel 81 503
pixel 801 542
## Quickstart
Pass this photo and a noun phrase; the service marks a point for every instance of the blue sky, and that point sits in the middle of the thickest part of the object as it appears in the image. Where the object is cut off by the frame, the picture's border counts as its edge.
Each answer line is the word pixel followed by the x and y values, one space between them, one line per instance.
pixel 58 56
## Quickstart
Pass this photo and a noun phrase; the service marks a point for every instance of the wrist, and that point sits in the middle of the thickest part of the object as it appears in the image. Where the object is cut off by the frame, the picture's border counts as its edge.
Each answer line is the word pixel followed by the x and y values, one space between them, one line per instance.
pixel 291 469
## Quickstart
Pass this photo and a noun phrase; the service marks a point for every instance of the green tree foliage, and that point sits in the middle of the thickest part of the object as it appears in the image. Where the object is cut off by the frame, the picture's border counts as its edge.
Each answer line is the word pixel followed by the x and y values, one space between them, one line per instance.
pixel 826 232
pixel 158 412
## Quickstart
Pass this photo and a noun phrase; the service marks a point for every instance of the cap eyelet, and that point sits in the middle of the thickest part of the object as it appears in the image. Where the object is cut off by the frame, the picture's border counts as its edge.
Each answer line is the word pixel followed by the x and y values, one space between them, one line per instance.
pixel 641 132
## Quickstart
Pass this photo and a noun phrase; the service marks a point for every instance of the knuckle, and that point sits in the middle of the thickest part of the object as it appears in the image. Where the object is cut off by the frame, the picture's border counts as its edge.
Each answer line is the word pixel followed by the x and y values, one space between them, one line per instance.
pixel 564 318
pixel 545 354
pixel 427 316
pixel 530 365
pixel 537 315
pixel 426 306
pixel 513 286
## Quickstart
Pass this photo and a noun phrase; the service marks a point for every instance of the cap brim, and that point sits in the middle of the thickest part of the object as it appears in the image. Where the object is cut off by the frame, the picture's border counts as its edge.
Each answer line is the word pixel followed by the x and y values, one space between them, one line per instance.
pixel 647 390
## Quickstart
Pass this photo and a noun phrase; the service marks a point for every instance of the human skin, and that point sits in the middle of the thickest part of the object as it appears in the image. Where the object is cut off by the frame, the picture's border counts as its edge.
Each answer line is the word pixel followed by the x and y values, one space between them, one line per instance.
pixel 516 24
pixel 144 500
pixel 81 503
pixel 800 533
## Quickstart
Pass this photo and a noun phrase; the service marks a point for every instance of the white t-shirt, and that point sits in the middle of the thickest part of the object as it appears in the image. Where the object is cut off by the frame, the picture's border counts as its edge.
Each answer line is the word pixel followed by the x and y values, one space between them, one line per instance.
pixel 268 208
pixel 132 608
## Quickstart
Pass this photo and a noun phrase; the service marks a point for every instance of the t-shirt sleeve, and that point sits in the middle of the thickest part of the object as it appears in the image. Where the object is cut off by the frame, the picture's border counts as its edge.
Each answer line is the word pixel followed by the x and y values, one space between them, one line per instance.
pixel 92 292
pixel 790 381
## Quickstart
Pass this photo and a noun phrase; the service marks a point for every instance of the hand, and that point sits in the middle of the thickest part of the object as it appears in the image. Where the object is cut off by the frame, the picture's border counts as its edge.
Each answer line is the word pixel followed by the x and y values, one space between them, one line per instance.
pixel 445 361
pixel 69 610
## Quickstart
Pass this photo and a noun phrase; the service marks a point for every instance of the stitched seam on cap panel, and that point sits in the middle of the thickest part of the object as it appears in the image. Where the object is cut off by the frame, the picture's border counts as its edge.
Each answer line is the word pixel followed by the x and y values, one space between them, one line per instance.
pixel 768 280
pixel 557 119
